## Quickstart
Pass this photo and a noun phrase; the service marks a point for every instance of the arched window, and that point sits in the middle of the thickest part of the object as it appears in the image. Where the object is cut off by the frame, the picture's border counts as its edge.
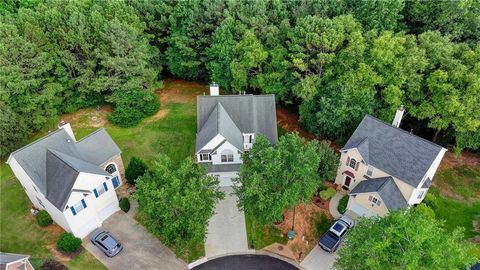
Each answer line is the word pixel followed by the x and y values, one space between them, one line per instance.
pixel 353 163
pixel 111 168
pixel 227 155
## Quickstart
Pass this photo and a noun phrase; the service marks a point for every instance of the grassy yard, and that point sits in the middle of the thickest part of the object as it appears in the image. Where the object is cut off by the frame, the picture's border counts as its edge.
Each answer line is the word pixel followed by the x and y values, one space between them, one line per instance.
pixel 19 232
pixel 262 235
pixel 455 198
pixel 171 132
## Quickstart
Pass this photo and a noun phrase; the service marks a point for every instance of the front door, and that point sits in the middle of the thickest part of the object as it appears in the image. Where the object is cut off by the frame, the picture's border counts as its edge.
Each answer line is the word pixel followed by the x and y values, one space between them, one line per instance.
pixel 346 183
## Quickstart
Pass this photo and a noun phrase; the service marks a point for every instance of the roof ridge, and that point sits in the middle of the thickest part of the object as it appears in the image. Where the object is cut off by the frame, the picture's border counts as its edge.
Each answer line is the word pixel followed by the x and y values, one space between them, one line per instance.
pixel 54 152
pixel 404 131
pixel 89 135
pixel 38 140
pixel 387 179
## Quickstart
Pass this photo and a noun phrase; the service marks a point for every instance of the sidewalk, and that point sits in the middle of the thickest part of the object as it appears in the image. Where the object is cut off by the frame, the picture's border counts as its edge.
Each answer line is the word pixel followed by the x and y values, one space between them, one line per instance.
pixel 333 207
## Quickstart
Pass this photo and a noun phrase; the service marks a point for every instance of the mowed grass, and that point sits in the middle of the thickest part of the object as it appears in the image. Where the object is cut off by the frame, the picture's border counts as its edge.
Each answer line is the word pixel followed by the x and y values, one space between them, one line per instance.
pixel 262 235
pixel 464 181
pixel 19 232
pixel 173 135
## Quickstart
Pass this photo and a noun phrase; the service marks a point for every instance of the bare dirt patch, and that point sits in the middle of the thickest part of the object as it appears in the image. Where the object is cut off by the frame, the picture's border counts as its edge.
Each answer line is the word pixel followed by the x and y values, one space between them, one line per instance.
pixel 466 158
pixel 159 115
pixel 306 235
pixel 181 91
pixel 89 117
pixel 290 122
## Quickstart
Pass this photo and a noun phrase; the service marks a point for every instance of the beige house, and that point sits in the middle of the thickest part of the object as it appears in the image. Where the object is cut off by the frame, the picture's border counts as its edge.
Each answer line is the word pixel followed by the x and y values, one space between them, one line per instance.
pixel 11 261
pixel 383 167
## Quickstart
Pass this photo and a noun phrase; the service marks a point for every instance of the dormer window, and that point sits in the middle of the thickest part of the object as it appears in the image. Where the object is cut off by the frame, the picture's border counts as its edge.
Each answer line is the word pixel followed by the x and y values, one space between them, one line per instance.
pixel 205 157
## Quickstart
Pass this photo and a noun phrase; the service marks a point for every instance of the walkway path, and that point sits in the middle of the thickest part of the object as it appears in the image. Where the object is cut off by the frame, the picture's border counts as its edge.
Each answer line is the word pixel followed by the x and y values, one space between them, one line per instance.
pixel 318 259
pixel 333 206
pixel 226 229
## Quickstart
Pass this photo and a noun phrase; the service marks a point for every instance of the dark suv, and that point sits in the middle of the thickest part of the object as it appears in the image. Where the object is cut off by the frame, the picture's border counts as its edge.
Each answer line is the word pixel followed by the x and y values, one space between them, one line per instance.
pixel 106 242
pixel 331 239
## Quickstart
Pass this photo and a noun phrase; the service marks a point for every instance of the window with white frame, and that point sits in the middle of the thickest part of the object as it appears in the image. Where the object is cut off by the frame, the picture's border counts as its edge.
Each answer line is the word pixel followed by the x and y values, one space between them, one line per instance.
pixel 420 195
pixel 374 200
pixel 227 156
pixel 111 168
pixel 370 170
pixel 100 189
pixel 205 157
pixel 353 163
pixel 78 207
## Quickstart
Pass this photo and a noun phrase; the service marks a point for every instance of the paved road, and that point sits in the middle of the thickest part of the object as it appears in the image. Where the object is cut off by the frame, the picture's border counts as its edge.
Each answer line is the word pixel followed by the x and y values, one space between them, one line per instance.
pixel 226 228
pixel 141 250
pixel 246 262
pixel 318 259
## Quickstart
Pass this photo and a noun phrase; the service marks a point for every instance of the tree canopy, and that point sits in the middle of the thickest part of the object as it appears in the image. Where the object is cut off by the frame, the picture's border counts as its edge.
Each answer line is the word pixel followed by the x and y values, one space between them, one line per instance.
pixel 177 200
pixel 274 178
pixel 334 61
pixel 408 239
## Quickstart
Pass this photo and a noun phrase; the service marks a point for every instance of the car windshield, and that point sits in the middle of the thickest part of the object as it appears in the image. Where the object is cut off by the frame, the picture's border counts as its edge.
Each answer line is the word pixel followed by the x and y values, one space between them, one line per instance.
pixel 109 242
pixel 338 227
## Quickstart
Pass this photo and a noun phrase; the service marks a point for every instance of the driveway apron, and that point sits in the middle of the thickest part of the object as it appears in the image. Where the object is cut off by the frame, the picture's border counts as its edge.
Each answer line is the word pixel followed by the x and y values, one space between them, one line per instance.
pixel 226 228
pixel 141 250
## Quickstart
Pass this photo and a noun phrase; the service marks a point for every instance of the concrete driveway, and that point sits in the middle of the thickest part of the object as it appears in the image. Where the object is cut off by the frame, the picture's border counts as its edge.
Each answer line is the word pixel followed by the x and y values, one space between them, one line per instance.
pixel 141 250
pixel 318 259
pixel 226 228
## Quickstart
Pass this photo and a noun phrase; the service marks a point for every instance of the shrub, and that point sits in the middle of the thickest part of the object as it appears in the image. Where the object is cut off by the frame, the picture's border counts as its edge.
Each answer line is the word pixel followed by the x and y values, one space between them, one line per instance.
pixel 51 264
pixel 135 169
pixel 322 223
pixel 124 204
pixel 342 205
pixel 68 243
pixel 43 218
pixel 327 194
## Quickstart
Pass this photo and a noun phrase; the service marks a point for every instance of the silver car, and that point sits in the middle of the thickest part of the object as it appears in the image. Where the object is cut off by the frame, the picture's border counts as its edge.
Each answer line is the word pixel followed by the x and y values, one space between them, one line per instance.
pixel 106 242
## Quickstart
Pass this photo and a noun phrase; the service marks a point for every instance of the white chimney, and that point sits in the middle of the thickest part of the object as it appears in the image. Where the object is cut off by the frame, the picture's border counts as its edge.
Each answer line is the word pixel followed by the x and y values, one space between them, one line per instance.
pixel 68 128
pixel 214 90
pixel 398 116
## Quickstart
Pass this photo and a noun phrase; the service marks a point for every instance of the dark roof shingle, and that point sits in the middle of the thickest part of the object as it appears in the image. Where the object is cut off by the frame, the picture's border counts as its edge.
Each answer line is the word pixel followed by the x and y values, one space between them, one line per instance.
pixel 386 188
pixel 393 150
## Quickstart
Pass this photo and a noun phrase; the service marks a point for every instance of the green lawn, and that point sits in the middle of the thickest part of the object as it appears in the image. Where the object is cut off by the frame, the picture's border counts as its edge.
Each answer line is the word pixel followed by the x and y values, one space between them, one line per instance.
pixel 262 235
pixel 455 199
pixel 19 232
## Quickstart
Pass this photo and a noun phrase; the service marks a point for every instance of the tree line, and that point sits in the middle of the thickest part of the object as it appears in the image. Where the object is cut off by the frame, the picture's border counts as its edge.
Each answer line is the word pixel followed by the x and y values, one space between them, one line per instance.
pixel 333 60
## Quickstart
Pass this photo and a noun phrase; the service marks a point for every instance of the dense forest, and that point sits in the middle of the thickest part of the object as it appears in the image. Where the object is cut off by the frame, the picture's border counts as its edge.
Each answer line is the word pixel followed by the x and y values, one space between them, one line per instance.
pixel 333 61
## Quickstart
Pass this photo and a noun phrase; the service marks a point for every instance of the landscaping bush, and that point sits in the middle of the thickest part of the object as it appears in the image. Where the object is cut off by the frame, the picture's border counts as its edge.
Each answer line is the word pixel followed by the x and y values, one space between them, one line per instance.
pixel 135 169
pixel 327 194
pixel 68 243
pixel 43 218
pixel 342 205
pixel 124 204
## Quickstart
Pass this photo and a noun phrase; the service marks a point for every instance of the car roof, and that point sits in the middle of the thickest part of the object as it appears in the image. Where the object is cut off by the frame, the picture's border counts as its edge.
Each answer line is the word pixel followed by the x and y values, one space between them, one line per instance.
pixel 108 241
pixel 338 227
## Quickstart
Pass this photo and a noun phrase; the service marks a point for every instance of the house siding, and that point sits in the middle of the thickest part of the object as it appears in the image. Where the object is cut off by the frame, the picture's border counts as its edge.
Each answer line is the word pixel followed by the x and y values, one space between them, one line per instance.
pixel 362 200
pixel 27 183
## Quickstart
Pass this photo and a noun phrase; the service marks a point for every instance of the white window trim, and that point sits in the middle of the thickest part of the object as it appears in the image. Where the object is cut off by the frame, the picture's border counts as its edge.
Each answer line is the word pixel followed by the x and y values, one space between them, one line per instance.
pixel 100 190
pixel 78 207
pixel 370 170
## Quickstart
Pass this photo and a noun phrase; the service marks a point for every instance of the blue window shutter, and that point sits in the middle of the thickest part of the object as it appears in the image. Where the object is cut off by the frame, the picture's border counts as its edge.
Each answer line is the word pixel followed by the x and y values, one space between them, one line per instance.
pixel 95 192
pixel 105 186
pixel 73 211
pixel 84 204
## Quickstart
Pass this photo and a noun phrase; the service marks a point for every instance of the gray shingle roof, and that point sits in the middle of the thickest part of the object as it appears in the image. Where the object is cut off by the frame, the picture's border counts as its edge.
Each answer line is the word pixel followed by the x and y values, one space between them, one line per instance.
pixel 249 113
pixel 393 150
pixel 11 257
pixel 386 188
pixel 41 158
pixel 219 122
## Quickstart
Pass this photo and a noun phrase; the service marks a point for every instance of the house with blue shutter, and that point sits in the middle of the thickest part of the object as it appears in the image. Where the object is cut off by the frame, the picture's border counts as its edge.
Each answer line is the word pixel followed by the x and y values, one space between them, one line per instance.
pixel 74 181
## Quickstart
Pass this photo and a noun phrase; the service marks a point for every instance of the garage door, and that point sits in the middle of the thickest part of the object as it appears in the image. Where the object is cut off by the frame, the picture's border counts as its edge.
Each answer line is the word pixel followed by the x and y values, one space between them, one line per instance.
pixel 361 211
pixel 108 210
pixel 84 229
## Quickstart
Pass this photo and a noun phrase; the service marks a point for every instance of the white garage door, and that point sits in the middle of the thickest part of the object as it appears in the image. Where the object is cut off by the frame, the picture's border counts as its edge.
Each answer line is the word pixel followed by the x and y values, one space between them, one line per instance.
pixel 361 211
pixel 84 229
pixel 108 210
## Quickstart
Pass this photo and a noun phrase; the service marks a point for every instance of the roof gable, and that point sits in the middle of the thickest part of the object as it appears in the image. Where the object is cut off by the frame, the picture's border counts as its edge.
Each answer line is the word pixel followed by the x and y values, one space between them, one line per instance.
pixel 386 188
pixel 393 150
pixel 248 113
